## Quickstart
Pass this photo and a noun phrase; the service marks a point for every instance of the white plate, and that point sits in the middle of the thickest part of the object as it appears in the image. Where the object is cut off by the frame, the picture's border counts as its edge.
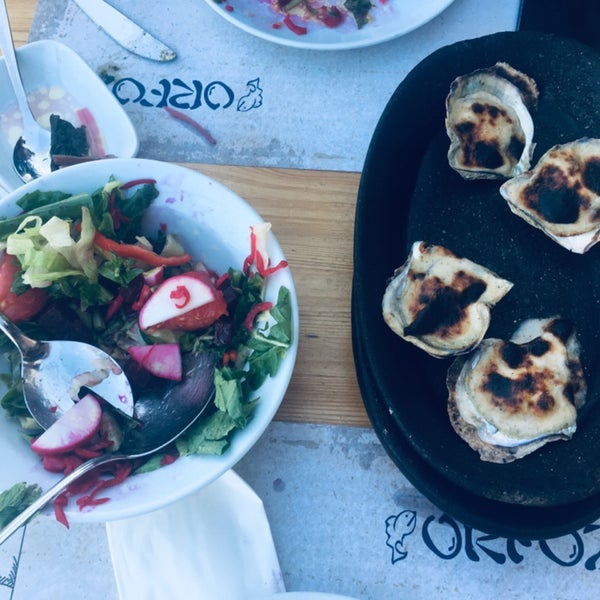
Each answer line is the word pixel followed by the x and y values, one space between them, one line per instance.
pixel 213 224
pixel 49 66
pixel 390 19
pixel 307 596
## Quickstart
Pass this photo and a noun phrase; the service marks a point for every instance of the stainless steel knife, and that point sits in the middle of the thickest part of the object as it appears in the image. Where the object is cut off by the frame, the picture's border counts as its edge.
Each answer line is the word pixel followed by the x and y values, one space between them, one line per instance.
pixel 124 31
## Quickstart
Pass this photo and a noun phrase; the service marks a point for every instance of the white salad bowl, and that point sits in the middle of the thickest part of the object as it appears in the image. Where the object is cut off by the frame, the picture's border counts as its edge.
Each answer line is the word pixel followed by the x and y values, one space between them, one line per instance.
pixel 213 224
pixel 57 80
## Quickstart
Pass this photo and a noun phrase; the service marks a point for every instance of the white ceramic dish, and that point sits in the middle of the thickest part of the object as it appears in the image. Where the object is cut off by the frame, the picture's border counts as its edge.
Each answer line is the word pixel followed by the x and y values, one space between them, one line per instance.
pixel 307 596
pixel 390 19
pixel 56 73
pixel 213 224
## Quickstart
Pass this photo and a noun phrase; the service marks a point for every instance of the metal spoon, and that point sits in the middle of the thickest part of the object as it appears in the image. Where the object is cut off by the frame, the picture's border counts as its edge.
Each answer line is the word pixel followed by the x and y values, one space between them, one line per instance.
pixel 54 372
pixel 31 161
pixel 163 416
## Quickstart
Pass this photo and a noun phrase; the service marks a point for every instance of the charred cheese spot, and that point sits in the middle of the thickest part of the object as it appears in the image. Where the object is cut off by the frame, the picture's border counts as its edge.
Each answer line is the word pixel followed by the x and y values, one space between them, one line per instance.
pixel 591 175
pixel 539 347
pixel 552 196
pixel 489 123
pixel 525 394
pixel 524 83
pixel 481 146
pixel 561 328
pixel 513 396
pixel 516 147
pixel 513 354
pixel 441 302
pixel 441 308
pixel 561 195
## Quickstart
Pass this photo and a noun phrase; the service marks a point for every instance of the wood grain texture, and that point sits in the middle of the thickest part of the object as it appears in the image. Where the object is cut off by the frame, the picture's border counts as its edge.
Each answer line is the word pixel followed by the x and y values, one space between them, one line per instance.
pixel 312 213
pixel 20 13
pixel 313 218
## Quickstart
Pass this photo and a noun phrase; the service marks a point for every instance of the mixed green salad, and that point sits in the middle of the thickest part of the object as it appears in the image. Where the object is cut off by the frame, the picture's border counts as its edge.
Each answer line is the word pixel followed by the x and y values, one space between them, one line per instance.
pixel 79 267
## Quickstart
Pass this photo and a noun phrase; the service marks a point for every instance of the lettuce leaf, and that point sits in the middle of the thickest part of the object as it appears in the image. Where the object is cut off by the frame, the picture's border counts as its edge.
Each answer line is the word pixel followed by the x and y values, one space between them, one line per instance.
pixel 48 252
pixel 16 499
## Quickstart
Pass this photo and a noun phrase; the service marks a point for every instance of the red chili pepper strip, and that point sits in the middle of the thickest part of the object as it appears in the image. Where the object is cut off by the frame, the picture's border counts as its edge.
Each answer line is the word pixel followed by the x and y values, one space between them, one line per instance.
pixel 255 310
pixel 86 453
pixel 135 182
pixel 297 29
pixel 59 509
pixel 221 280
pixel 116 213
pixel 115 304
pixel 168 459
pixel 183 117
pixel 282 264
pixel 251 258
pixel 256 258
pixel 139 253
pixel 145 293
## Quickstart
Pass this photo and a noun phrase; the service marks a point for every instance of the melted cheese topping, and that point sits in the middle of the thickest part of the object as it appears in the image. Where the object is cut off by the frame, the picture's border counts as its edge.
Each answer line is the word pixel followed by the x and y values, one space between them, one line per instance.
pixel 561 195
pixel 489 123
pixel 527 389
pixel 440 301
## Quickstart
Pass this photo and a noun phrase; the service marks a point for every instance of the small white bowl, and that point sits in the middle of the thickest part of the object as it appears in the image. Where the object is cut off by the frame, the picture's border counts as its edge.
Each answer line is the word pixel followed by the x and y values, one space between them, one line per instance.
pixel 54 73
pixel 213 224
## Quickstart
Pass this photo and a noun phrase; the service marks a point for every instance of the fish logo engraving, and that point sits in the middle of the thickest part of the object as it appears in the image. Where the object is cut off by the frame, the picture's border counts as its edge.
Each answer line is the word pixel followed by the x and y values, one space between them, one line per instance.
pixel 398 528
pixel 253 99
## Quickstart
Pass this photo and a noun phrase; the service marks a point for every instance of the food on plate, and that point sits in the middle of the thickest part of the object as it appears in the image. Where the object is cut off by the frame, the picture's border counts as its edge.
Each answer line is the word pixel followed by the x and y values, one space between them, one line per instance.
pixel 66 140
pixel 74 133
pixel 330 14
pixel 88 271
pixel 510 397
pixel 441 302
pixel 561 194
pixel 75 428
pixel 489 123
pixel 69 145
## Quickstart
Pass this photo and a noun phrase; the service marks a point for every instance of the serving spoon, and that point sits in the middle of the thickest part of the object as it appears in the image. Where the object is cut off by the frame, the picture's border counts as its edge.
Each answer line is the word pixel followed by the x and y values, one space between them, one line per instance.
pixel 31 161
pixel 162 415
pixel 53 374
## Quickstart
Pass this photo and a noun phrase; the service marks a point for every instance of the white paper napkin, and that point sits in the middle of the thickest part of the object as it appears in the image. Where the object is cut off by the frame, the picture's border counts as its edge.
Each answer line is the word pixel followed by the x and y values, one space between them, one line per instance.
pixel 215 544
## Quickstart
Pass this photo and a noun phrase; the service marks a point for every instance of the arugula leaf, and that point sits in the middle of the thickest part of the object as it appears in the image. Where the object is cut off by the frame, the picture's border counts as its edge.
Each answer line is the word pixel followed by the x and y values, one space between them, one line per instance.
pixel 16 499
pixel 233 386
pixel 133 208
pixel 270 346
pixel 250 290
pixel 212 435
pixel 360 10
pixel 229 396
pixel 13 402
pixel 120 270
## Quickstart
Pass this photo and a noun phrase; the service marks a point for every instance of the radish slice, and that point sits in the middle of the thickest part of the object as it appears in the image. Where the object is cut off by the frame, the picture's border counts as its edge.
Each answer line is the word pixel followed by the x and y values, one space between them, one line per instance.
pixel 73 429
pixel 154 276
pixel 162 360
pixel 188 301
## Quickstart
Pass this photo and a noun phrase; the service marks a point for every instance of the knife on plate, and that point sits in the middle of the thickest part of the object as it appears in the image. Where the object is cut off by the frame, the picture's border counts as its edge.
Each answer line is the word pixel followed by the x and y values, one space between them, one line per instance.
pixel 124 31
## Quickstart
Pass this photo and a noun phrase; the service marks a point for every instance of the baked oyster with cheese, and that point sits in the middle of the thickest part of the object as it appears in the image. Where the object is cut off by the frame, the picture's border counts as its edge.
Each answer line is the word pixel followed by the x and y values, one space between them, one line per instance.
pixel 441 302
pixel 561 195
pixel 510 397
pixel 489 123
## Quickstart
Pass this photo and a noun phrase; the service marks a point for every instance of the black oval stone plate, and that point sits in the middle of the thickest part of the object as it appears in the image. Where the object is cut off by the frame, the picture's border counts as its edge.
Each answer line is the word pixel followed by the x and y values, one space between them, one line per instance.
pixel 491 516
pixel 408 192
